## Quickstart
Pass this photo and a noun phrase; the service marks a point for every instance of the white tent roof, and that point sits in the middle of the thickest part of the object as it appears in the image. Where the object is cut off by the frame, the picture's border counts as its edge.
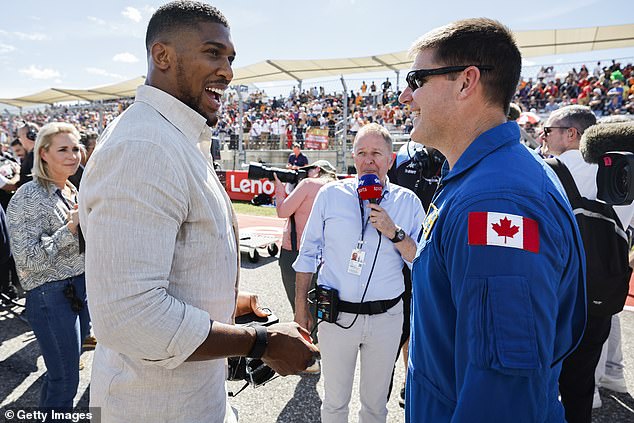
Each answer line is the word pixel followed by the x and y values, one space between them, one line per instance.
pixel 57 95
pixel 531 43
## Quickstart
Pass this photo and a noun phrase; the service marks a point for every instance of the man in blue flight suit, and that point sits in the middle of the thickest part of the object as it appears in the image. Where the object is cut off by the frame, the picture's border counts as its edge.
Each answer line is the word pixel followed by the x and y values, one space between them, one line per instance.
pixel 498 279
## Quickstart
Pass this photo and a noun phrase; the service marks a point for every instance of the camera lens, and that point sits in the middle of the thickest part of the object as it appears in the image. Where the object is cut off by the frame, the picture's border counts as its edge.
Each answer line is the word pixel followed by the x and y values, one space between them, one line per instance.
pixel 622 176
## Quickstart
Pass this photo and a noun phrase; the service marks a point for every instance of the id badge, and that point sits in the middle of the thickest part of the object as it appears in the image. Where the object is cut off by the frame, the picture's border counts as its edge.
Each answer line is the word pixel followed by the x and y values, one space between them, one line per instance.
pixel 357 258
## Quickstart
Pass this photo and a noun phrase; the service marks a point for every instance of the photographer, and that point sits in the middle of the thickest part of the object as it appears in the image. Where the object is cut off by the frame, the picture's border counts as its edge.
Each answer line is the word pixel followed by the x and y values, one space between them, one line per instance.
pixel 296 207
pixel 561 137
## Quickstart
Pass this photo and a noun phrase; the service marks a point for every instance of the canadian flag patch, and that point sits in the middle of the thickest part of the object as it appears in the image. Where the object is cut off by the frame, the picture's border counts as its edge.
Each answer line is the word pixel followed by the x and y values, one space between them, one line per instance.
pixel 503 230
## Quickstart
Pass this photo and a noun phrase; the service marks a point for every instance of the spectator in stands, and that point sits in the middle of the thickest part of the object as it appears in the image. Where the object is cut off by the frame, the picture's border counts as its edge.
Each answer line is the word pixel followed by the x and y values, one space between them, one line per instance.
pixel 43 225
pixel 89 141
pixel 386 85
pixel 617 91
pixel 265 131
pixel 254 133
pixel 18 151
pixel 551 105
pixel 296 159
pixel 300 130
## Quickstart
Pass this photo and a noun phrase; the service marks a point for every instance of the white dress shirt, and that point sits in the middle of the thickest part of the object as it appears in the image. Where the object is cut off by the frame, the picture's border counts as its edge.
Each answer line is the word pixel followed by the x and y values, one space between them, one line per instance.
pixel 161 262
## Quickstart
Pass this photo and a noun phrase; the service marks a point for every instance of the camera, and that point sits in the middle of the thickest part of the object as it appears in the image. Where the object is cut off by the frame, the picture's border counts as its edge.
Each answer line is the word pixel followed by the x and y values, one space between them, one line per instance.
pixel 259 171
pixel 427 163
pixel 251 370
pixel 615 185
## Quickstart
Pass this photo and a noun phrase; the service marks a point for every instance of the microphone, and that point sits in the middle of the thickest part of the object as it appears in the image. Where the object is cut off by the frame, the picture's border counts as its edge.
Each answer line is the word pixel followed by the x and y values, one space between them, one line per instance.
pixel 606 137
pixel 370 188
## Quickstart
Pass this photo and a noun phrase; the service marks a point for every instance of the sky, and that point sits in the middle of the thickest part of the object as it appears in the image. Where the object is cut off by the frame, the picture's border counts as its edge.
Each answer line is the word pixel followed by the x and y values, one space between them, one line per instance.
pixel 85 44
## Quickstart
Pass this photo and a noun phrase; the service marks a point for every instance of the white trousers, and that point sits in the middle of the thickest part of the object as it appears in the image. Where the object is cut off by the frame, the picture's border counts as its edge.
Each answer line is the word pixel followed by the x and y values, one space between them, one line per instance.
pixel 375 338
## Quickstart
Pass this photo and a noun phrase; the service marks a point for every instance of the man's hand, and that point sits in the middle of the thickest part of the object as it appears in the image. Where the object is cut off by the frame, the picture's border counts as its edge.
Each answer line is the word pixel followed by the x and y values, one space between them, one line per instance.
pixel 384 224
pixel 280 188
pixel 73 219
pixel 289 351
pixel 382 221
pixel 303 316
pixel 248 303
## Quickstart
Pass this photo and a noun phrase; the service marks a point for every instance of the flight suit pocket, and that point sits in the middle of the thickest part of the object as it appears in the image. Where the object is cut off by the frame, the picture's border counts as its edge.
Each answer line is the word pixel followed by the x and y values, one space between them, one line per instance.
pixel 513 321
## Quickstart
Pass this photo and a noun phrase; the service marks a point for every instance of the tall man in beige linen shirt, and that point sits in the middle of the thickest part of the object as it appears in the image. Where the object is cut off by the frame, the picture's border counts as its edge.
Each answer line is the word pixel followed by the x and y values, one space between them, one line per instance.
pixel 162 258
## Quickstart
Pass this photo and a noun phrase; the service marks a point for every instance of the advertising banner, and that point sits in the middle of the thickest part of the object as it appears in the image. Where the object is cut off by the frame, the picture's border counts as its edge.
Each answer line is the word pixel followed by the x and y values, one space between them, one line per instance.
pixel 240 187
pixel 316 139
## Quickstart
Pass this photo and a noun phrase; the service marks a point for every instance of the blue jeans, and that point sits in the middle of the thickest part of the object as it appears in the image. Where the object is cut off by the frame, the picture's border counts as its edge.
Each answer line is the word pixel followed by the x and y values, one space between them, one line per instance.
pixel 60 332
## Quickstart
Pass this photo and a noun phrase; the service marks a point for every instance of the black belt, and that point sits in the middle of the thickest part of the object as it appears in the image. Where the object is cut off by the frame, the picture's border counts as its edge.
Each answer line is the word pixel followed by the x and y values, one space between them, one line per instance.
pixel 368 307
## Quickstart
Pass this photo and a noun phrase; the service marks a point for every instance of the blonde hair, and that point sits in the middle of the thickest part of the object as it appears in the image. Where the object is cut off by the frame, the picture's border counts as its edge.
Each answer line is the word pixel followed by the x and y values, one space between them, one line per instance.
pixel 374 129
pixel 43 142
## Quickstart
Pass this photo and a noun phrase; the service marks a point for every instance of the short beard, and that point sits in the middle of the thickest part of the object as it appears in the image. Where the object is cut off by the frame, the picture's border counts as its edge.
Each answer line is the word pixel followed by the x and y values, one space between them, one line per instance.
pixel 186 97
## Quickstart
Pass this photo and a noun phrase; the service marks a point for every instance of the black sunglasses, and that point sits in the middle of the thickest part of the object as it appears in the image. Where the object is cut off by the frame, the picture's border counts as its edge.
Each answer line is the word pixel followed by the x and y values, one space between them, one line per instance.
pixel 416 78
pixel 549 129
pixel 76 304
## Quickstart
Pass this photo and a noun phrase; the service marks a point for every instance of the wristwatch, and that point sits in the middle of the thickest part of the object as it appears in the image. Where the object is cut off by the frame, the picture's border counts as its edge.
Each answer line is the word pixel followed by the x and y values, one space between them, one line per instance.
pixel 261 342
pixel 399 235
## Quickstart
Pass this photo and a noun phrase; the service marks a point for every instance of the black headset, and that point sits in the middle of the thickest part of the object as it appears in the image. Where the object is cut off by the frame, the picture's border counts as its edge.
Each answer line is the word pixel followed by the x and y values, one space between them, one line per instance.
pixel 31 133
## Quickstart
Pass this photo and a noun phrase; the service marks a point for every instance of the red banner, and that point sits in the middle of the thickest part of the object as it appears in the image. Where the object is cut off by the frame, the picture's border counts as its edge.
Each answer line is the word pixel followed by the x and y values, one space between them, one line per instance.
pixel 316 139
pixel 240 187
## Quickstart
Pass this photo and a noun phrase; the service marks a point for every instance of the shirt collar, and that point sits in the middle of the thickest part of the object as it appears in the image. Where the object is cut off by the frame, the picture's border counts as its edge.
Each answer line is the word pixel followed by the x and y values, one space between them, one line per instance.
pixel 183 117
pixel 52 189
pixel 486 143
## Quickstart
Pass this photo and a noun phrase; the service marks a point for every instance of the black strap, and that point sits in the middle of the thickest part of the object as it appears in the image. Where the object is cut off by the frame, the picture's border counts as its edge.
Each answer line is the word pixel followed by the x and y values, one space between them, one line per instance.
pixel 293 233
pixel 368 307
pixel 566 179
pixel 261 342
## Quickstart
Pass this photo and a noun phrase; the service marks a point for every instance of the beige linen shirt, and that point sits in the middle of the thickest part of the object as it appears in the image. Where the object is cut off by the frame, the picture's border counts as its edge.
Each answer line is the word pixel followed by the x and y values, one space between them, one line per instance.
pixel 161 262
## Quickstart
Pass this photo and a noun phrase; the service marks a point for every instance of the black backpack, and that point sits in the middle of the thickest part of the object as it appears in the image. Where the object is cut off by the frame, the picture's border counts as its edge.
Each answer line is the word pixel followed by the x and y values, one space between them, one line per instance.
pixel 606 246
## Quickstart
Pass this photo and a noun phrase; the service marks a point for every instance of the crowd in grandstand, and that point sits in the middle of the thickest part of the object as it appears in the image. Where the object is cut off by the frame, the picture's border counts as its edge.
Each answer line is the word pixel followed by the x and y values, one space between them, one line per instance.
pixel 607 90
pixel 275 123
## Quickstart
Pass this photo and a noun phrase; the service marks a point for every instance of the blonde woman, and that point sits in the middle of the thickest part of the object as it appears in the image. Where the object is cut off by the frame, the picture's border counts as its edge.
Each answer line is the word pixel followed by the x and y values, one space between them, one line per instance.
pixel 43 223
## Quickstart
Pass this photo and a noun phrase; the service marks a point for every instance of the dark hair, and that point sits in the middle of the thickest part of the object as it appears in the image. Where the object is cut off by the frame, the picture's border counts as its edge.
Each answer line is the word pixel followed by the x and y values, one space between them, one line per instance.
pixel 180 15
pixel 87 137
pixel 16 142
pixel 478 41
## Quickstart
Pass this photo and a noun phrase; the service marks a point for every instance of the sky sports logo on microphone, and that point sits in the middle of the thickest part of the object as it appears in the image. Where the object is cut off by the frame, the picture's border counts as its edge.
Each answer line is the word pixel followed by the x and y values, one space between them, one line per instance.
pixel 370 188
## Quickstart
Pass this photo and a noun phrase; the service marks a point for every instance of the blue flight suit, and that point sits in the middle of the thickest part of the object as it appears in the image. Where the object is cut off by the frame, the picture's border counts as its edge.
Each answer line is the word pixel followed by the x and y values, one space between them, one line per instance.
pixel 491 324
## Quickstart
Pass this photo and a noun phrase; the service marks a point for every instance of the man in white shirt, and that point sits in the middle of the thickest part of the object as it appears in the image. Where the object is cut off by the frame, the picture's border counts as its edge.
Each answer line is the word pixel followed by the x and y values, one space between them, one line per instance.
pixel 162 257
pixel 361 247
pixel 561 137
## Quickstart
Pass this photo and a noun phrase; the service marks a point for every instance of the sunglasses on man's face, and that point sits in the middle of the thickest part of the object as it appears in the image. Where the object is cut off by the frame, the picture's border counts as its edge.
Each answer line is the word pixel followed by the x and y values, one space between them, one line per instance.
pixel 417 78
pixel 549 129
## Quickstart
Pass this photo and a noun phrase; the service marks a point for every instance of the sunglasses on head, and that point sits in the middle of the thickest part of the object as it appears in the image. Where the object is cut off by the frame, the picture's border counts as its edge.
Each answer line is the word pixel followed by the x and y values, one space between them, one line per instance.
pixel 76 304
pixel 417 78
